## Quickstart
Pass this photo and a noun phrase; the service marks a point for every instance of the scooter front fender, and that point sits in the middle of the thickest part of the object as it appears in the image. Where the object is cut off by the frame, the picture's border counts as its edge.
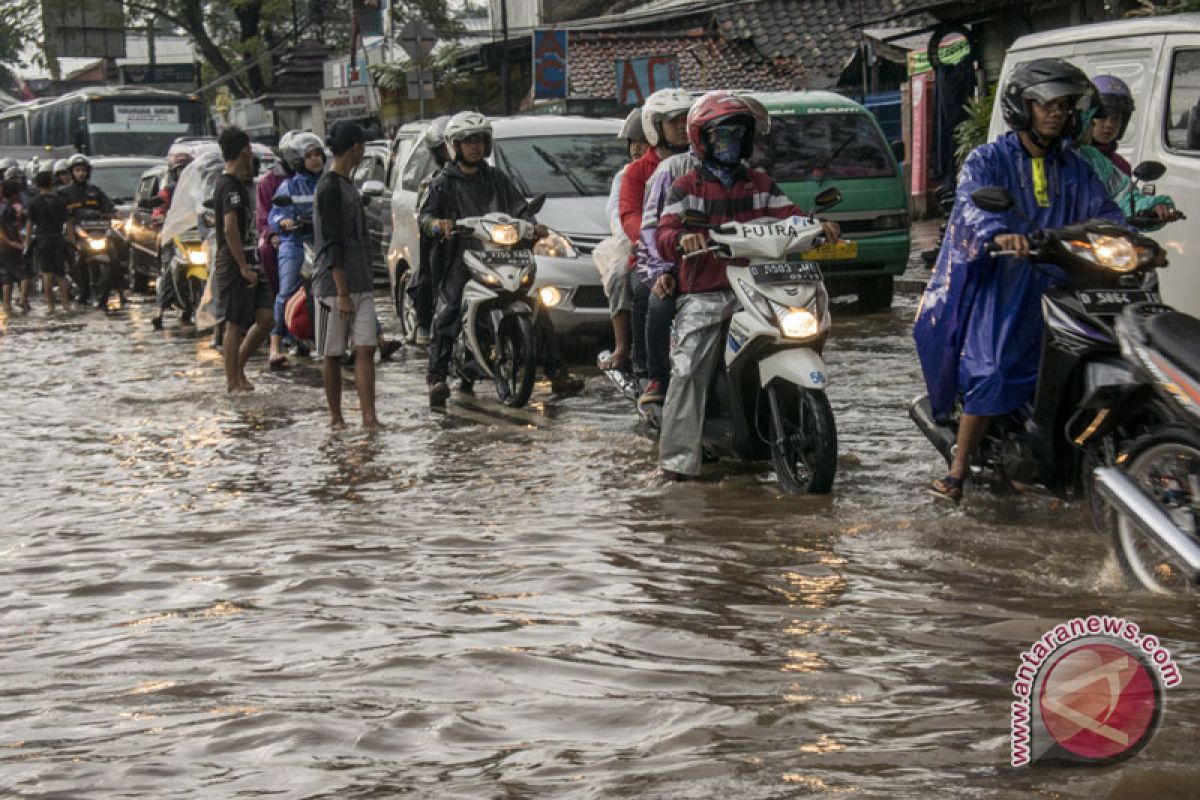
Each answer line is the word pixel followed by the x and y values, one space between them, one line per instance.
pixel 799 366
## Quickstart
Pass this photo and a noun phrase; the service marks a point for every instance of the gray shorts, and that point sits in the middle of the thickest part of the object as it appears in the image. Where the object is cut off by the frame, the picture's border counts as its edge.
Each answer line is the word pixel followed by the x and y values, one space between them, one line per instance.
pixel 620 298
pixel 335 335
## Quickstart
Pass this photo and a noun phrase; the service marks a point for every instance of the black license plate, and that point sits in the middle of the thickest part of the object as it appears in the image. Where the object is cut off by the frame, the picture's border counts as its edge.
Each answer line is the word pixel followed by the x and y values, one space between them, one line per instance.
pixel 508 258
pixel 1111 301
pixel 786 272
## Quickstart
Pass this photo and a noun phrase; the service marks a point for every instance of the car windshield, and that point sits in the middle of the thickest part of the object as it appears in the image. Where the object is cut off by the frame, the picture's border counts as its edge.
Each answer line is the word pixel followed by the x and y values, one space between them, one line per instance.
pixel 562 166
pixel 822 147
pixel 119 182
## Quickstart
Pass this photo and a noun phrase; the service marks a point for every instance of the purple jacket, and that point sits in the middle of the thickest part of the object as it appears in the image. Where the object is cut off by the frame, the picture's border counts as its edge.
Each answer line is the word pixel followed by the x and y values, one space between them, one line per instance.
pixel 650 263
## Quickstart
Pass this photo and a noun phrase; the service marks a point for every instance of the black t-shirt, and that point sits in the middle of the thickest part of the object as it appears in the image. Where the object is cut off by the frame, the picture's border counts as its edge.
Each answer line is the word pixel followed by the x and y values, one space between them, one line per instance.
pixel 10 224
pixel 48 214
pixel 229 195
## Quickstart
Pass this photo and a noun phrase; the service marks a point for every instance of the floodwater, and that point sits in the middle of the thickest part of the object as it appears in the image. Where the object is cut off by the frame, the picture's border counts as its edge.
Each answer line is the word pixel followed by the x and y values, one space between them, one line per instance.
pixel 206 597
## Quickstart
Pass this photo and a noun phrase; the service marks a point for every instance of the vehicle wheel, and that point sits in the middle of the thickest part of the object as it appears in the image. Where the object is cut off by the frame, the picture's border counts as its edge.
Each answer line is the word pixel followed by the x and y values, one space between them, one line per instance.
pixel 516 361
pixel 1166 466
pixel 804 453
pixel 141 284
pixel 195 288
pixel 875 294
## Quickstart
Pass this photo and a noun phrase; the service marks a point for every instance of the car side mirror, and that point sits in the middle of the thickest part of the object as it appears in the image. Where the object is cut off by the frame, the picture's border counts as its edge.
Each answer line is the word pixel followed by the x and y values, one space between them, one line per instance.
pixel 1149 170
pixel 898 150
pixel 994 199
pixel 150 203
pixel 373 188
pixel 827 198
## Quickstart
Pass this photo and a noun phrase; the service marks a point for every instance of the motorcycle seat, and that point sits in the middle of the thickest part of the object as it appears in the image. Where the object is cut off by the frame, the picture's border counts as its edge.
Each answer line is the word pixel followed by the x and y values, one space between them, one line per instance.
pixel 1177 336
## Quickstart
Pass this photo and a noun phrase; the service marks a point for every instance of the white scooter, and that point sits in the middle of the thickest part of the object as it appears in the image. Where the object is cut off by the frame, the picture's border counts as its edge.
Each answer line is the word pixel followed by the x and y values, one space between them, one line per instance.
pixel 769 399
pixel 497 340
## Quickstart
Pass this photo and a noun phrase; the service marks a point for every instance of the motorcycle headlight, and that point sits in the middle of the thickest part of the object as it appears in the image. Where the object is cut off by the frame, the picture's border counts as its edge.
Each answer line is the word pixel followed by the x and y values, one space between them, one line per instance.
pixel 117 224
pixel 486 277
pixel 197 256
pixel 505 234
pixel 555 245
pixel 550 296
pixel 528 274
pixel 1115 252
pixel 97 244
pixel 799 323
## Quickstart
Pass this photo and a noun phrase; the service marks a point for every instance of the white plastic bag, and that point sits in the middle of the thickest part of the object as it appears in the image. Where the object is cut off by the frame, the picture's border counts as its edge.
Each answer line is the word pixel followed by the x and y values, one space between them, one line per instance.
pixel 611 255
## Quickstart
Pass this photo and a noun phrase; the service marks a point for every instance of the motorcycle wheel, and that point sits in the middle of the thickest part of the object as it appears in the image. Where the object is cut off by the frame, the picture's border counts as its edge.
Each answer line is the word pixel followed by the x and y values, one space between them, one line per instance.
pixel 804 453
pixel 1166 466
pixel 406 310
pixel 516 361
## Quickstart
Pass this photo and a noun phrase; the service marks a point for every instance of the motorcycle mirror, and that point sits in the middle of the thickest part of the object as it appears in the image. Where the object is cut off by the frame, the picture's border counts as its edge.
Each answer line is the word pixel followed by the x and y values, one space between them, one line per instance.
pixel 535 204
pixel 281 201
pixel 208 204
pixel 1149 171
pixel 827 198
pixel 992 198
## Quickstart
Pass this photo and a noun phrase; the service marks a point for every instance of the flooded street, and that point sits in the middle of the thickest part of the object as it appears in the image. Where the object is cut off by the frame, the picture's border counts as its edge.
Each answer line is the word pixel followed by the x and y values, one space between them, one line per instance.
pixel 206 597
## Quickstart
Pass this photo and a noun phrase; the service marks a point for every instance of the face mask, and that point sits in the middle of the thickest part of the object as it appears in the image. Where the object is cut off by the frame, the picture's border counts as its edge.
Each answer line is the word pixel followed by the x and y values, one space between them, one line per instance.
pixel 725 143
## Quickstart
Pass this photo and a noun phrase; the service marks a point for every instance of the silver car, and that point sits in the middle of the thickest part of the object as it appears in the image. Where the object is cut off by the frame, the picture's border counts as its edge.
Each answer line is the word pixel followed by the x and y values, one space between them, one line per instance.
pixel 570 159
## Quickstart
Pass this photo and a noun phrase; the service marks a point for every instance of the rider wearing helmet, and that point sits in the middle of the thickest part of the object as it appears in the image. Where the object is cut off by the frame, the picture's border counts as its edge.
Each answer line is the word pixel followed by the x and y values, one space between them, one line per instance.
pixel 1098 146
pixel 722 188
pixel 178 158
pixel 469 187
pixel 84 198
pixel 664 126
pixel 268 241
pixel 420 286
pixel 304 155
pixel 978 329
pixel 62 173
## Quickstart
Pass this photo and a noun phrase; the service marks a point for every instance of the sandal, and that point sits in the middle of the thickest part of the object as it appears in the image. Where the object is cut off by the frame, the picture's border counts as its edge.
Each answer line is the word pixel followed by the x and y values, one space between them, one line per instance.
pixel 608 361
pixel 277 363
pixel 947 488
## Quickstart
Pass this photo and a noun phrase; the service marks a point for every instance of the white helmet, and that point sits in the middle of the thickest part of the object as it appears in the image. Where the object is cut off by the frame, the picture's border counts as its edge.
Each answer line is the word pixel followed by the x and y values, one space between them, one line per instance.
pixel 660 106
pixel 463 125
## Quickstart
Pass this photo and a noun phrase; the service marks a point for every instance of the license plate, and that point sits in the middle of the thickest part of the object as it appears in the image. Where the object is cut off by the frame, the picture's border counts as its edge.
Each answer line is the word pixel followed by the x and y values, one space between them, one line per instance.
pixel 507 258
pixel 1111 301
pixel 786 272
pixel 833 251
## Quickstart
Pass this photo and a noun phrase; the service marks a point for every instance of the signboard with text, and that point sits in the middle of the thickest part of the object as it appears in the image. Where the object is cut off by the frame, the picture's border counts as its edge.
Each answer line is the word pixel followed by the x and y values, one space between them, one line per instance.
pixel 549 65
pixel 638 78
pixel 351 102
pixel 152 74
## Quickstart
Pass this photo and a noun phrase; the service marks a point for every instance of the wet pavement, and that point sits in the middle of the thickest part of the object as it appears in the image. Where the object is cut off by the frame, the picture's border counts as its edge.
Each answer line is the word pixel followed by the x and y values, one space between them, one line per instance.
pixel 203 596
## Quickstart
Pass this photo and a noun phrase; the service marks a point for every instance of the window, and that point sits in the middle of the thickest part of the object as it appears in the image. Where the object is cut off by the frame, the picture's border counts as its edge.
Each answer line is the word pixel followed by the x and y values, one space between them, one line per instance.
pixel 822 147
pixel 399 149
pixel 418 166
pixel 371 169
pixel 1182 126
pixel 147 188
pixel 582 165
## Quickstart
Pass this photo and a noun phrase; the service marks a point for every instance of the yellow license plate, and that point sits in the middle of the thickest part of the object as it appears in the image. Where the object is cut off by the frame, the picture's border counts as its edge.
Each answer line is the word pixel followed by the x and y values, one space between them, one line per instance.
pixel 832 251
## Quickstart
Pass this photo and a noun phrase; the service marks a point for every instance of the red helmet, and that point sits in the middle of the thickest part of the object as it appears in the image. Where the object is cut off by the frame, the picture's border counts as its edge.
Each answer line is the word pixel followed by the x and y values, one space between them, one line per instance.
pixel 716 107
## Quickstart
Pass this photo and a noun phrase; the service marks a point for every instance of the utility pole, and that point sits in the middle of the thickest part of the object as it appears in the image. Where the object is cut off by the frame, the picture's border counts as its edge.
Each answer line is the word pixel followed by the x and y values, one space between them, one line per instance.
pixel 295 25
pixel 504 58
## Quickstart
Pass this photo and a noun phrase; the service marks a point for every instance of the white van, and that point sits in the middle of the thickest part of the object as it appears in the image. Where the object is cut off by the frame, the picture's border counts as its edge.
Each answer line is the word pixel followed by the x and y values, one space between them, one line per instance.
pixel 1159 57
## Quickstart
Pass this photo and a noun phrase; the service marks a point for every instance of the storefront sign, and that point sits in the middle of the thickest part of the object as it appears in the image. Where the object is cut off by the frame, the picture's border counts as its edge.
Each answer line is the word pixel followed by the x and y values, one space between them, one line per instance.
pixel 638 78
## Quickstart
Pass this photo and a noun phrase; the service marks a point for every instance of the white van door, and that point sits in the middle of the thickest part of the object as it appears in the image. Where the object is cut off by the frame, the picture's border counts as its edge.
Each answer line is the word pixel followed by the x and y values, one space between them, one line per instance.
pixel 1171 134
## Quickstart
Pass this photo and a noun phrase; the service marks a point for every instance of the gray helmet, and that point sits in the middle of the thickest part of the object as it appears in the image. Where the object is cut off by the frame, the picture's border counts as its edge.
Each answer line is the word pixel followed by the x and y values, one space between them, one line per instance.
pixel 435 134
pixel 79 159
pixel 465 124
pixel 14 173
pixel 6 164
pixel 61 166
pixel 631 131
pixel 297 148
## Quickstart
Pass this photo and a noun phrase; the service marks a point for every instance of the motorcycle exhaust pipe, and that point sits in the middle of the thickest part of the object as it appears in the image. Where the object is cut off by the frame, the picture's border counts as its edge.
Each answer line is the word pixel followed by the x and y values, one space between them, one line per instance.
pixel 942 436
pixel 1129 499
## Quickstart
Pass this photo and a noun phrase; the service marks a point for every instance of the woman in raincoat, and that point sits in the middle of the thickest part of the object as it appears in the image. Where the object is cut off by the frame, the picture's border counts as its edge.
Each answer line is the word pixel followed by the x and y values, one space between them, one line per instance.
pixel 979 327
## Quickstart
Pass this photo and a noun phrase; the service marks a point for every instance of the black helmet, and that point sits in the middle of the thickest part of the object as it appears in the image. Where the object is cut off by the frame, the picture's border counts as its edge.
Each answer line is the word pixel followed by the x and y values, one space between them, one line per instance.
pixel 1046 79
pixel 1115 98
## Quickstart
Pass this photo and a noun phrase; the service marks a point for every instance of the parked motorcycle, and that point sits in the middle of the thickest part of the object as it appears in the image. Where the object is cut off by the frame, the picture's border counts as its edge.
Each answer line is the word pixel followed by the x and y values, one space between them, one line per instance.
pixel 1154 484
pixel 1057 442
pixel 497 340
pixel 95 268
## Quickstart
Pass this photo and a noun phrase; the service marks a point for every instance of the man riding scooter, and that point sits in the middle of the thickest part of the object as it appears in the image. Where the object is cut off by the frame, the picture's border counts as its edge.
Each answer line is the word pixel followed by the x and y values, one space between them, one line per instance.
pixel 165 294
pixel 979 326
pixel 83 198
pixel 470 187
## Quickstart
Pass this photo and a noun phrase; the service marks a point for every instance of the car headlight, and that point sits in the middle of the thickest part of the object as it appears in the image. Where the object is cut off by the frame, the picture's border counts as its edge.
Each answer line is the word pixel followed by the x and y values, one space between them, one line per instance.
pixel 555 245
pixel 1115 252
pixel 197 256
pixel 550 296
pixel 98 243
pixel 799 323
pixel 505 234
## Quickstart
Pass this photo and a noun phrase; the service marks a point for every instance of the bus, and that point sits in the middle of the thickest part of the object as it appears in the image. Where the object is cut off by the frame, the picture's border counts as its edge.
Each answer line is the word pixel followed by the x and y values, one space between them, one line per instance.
pixel 106 121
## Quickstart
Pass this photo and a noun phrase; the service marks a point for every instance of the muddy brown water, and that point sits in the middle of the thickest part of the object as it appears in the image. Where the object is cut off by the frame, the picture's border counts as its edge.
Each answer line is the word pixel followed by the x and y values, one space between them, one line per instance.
pixel 204 597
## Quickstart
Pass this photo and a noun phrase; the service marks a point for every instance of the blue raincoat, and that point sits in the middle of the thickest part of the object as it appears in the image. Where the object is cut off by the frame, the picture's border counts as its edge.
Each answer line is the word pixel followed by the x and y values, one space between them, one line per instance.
pixel 300 187
pixel 979 326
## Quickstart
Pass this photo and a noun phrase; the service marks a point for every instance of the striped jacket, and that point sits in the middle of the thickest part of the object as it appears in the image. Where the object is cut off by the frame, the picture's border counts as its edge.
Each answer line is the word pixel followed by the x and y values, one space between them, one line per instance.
pixel 752 195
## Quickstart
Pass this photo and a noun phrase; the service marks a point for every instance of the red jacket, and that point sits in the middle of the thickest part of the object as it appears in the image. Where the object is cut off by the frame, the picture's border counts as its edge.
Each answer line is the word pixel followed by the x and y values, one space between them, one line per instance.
pixel 752 195
pixel 633 192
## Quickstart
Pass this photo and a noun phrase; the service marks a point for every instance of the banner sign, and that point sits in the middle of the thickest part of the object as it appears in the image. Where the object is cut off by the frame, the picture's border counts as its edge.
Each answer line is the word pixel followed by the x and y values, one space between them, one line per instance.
pixel 922 125
pixel 370 17
pixel 638 78
pixel 549 64
pixel 145 74
pixel 352 102
pixel 139 115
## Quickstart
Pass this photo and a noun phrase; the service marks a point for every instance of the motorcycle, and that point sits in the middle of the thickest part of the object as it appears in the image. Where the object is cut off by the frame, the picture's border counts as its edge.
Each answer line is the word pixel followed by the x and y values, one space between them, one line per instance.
pixel 497 340
pixel 189 272
pixel 95 269
pixel 767 400
pixel 299 312
pixel 1055 443
pixel 1154 485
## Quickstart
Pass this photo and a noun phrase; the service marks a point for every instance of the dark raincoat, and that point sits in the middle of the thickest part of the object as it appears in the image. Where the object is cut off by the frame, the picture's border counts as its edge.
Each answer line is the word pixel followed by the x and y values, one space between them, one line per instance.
pixel 979 326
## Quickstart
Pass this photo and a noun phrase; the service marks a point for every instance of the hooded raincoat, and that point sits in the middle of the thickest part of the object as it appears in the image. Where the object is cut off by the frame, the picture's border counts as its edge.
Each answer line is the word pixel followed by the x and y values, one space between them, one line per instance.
pixel 979 326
